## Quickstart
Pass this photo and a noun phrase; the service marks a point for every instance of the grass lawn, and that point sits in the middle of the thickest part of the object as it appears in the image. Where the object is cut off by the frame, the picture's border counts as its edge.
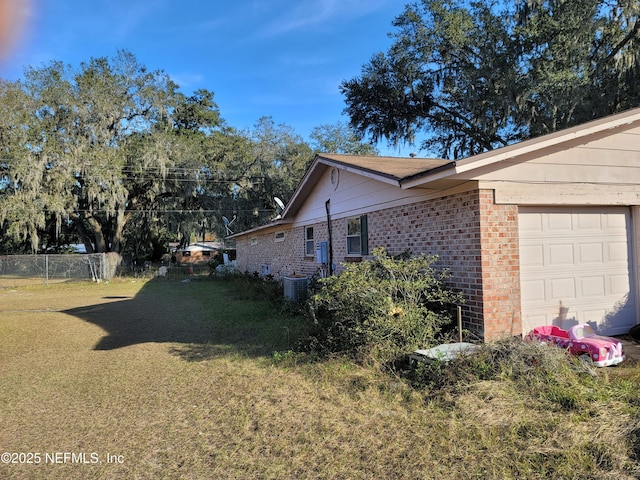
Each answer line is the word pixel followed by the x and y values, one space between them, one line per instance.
pixel 166 379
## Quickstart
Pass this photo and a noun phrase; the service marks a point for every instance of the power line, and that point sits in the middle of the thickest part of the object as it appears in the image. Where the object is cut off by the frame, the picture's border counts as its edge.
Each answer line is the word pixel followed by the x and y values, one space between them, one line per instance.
pixel 162 211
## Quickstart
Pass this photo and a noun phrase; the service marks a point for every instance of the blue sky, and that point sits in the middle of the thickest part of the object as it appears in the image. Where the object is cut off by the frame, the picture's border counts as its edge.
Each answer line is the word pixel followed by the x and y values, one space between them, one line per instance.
pixel 278 58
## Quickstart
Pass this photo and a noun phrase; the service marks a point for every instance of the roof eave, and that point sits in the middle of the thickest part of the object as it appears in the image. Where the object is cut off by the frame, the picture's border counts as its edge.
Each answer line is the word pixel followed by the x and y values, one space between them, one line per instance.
pixel 432 174
pixel 267 226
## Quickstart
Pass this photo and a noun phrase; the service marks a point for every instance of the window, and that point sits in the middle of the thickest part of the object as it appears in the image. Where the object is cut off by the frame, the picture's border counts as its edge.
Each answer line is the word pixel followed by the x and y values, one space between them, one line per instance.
pixel 254 240
pixel 279 236
pixel 357 236
pixel 186 253
pixel 309 246
pixel 206 253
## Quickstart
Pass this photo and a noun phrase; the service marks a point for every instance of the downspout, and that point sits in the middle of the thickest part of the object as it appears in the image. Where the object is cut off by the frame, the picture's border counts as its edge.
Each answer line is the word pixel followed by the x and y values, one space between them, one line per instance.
pixel 330 260
pixel 635 249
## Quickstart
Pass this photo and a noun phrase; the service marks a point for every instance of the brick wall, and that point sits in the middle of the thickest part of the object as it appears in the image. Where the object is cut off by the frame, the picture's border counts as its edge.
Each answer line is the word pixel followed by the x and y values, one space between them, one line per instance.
pixel 500 268
pixel 476 240
pixel 448 227
pixel 254 251
pixel 284 258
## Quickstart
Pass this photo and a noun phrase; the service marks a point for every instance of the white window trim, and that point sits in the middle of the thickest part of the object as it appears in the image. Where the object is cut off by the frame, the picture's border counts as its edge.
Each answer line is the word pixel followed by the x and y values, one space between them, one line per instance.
pixel 350 254
pixel 362 235
pixel 307 240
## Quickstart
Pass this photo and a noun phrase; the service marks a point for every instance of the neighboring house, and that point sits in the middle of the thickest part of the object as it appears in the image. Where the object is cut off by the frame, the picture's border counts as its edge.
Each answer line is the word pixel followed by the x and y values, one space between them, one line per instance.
pixel 198 252
pixel 546 231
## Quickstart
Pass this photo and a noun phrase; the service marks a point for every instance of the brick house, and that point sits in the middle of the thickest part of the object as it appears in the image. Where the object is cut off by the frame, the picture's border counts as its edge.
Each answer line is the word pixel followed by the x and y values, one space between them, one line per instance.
pixel 197 252
pixel 546 231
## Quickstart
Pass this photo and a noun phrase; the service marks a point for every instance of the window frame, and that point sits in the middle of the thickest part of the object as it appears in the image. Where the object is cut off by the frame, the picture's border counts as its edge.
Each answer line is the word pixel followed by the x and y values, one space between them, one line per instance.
pixel 362 235
pixel 309 251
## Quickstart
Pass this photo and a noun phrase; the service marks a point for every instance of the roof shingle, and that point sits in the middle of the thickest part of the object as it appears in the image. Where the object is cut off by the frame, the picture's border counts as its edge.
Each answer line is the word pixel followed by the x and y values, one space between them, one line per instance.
pixel 396 168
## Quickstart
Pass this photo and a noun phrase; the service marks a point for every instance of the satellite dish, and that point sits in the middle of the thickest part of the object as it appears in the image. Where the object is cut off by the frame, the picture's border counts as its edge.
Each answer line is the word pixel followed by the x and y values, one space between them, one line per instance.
pixel 227 224
pixel 280 206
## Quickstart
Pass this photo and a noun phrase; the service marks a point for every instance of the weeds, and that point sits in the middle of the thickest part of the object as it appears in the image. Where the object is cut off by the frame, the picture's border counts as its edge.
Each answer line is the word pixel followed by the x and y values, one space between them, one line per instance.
pixel 227 406
pixel 547 372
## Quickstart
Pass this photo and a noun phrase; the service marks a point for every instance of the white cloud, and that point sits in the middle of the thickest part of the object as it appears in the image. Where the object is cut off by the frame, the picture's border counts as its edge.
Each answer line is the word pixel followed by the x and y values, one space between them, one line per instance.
pixel 315 13
pixel 187 80
pixel 127 19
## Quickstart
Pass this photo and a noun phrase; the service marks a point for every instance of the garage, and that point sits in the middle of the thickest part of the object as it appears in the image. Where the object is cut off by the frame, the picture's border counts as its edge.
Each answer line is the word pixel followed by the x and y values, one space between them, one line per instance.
pixel 575 267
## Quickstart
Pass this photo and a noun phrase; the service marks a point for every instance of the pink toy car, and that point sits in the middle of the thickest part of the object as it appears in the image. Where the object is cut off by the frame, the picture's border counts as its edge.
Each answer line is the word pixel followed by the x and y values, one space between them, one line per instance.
pixel 581 340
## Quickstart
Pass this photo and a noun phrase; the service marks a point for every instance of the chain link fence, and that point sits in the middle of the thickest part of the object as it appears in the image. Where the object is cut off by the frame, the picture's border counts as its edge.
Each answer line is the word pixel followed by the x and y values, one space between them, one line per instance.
pixel 25 269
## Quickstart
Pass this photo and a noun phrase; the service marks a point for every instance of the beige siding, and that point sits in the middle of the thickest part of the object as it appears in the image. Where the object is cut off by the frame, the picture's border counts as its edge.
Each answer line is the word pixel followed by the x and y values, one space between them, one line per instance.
pixel 521 193
pixel 607 159
pixel 353 195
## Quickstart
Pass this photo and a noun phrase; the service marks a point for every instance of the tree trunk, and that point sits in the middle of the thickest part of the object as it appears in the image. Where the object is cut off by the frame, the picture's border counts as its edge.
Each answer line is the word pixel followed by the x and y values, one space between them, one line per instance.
pixel 100 245
pixel 120 221
pixel 85 236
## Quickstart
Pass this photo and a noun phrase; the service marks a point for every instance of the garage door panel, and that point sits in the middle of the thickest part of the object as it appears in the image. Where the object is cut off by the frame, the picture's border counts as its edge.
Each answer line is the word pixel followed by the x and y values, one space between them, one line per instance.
pixel 531 223
pixel 616 224
pixel 590 253
pixel 619 285
pixel 541 319
pixel 589 222
pixel 561 254
pixel 533 291
pixel 593 285
pixel 591 316
pixel 558 223
pixel 563 288
pixel 578 259
pixel 618 252
pixel 534 254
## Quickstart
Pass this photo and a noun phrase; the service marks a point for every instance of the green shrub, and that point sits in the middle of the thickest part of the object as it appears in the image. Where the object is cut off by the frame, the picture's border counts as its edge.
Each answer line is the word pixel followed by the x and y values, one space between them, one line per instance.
pixel 383 308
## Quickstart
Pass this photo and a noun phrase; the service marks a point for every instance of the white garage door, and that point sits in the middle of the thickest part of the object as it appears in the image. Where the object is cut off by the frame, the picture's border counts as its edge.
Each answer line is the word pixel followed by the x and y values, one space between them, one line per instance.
pixel 575 268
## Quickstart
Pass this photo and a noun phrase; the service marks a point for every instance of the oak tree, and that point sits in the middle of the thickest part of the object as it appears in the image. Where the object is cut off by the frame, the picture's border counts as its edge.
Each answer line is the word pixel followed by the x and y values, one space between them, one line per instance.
pixel 91 148
pixel 464 77
pixel 339 138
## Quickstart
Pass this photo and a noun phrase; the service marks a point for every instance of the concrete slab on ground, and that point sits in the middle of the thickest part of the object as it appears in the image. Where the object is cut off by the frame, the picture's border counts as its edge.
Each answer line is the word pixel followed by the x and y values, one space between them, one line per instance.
pixel 631 347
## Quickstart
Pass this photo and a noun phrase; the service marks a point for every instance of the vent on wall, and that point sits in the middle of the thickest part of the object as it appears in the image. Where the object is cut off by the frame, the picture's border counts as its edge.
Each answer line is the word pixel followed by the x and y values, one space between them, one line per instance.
pixel 295 288
pixel 265 269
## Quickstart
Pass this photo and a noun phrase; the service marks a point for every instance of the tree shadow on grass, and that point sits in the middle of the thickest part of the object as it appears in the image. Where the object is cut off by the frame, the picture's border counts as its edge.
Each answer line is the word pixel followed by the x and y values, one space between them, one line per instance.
pixel 198 352
pixel 166 311
pixel 153 315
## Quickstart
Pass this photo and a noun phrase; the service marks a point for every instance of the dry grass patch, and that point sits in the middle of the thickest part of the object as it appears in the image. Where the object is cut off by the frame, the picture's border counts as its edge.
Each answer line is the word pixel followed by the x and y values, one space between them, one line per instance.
pixel 180 380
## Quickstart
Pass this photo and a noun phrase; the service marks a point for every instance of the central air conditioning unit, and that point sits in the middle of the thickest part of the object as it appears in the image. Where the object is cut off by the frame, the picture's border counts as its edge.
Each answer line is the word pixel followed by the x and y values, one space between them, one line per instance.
pixel 295 288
